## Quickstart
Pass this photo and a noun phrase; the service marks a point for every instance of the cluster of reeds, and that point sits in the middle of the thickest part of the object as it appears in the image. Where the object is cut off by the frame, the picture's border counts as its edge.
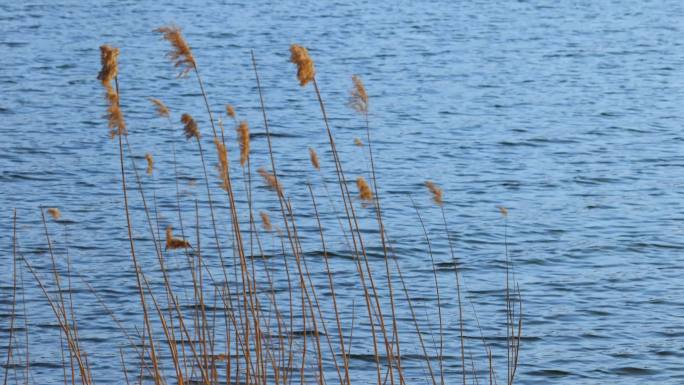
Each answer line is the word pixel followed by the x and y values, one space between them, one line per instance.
pixel 235 326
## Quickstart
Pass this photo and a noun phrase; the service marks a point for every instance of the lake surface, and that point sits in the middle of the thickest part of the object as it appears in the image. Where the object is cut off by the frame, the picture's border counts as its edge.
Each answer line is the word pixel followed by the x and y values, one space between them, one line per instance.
pixel 569 114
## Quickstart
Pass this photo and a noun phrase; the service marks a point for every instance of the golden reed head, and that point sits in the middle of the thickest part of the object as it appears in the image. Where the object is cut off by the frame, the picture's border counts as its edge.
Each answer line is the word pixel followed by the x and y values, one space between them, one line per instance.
pixel 190 127
pixel 223 163
pixel 150 163
pixel 108 56
pixel 365 192
pixel 359 98
pixel 305 66
pixel 108 72
pixel 265 221
pixel 270 180
pixel 54 213
pixel 314 159
pixel 243 137
pixel 180 53
pixel 162 110
pixel 436 192
pixel 230 111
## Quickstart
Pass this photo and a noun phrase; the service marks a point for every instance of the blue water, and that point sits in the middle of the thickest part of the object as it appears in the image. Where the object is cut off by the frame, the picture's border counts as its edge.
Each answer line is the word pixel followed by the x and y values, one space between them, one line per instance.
pixel 568 113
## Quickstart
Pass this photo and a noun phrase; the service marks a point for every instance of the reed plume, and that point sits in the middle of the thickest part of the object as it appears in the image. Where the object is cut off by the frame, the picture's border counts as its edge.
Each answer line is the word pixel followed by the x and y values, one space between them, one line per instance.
pixel 230 111
pixel 270 180
pixel 243 138
pixel 174 243
pixel 190 128
pixel 54 213
pixel 358 142
pixel 365 192
pixel 180 54
pixel 436 192
pixel 359 98
pixel 265 221
pixel 503 211
pixel 314 159
pixel 109 71
pixel 305 66
pixel 150 163
pixel 162 110
pixel 223 163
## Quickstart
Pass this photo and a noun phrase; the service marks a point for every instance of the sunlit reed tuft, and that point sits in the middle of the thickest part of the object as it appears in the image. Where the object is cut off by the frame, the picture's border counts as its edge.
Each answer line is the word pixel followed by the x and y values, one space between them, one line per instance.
pixel 358 142
pixel 223 163
pixel 314 159
pixel 365 192
pixel 116 123
pixel 162 110
pixel 359 98
pixel 174 243
pixel 265 221
pixel 150 163
pixel 243 138
pixel 270 180
pixel 305 66
pixel 108 56
pixel 436 192
pixel 180 54
pixel 230 111
pixel 54 212
pixel 190 128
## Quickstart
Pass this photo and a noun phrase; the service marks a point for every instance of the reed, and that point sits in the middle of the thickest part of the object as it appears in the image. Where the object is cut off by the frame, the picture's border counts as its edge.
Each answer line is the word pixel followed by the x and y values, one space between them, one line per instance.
pixel 214 312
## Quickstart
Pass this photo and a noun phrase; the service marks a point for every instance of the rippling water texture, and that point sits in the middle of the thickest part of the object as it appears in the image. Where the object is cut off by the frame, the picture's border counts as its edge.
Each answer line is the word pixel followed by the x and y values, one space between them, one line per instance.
pixel 568 113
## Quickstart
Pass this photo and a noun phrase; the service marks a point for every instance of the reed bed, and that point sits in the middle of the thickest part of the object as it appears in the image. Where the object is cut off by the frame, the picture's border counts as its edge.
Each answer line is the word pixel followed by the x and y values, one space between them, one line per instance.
pixel 213 308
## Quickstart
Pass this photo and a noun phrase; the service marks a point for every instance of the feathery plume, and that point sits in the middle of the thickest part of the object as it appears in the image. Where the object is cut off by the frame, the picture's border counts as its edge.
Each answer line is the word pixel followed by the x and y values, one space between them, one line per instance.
pixel 150 163
pixel 162 110
pixel 243 137
pixel 270 180
pixel 230 111
pixel 265 221
pixel 116 123
pixel 54 212
pixel 359 98
pixel 108 56
pixel 365 192
pixel 314 159
pixel 190 128
pixel 174 243
pixel 358 142
pixel 503 211
pixel 436 191
pixel 180 54
pixel 223 163
pixel 305 66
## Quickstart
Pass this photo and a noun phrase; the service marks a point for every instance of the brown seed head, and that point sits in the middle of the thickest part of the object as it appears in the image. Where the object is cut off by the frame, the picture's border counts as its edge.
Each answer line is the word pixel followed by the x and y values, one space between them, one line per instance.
pixel 180 53
pixel 359 97
pixel 108 57
pixel 54 212
pixel 230 111
pixel 436 192
pixel 314 159
pixel 270 180
pixel 162 110
pixel 265 221
pixel 358 142
pixel 223 163
pixel 305 66
pixel 150 163
pixel 503 211
pixel 365 192
pixel 243 137
pixel 190 128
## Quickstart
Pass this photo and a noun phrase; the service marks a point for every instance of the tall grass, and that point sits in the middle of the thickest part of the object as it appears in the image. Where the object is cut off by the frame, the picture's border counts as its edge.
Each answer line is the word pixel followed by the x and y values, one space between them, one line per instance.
pixel 222 318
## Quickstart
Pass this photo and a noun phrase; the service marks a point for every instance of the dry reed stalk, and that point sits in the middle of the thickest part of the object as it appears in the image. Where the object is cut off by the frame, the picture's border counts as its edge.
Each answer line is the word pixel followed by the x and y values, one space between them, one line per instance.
pixel 305 66
pixel 365 193
pixel 174 243
pixel 10 343
pixel 150 163
pixel 162 109
pixel 243 138
pixel 180 54
pixel 436 192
